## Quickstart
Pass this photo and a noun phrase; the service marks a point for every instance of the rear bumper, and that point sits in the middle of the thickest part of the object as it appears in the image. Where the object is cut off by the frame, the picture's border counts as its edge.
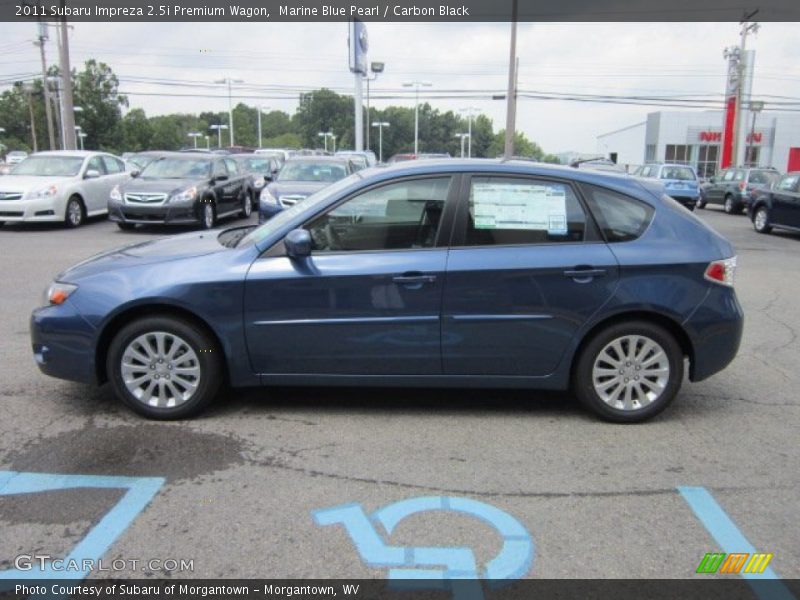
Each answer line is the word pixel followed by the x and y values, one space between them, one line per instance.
pixel 163 214
pixel 63 343
pixel 715 329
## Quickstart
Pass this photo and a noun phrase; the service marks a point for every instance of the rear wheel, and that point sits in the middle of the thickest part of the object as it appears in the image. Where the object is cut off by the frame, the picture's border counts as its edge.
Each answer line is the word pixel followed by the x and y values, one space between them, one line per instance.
pixel 164 367
pixel 761 220
pixel 701 203
pixel 629 372
pixel 730 206
pixel 74 215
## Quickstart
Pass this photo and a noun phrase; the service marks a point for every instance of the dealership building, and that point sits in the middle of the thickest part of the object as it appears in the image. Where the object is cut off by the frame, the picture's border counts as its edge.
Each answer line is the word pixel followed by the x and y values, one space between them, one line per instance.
pixel 695 138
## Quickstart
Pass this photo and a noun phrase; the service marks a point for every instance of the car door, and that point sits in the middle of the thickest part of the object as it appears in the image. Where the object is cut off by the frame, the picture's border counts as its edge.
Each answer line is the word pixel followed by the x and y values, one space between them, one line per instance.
pixel 235 184
pixel 786 201
pixel 95 189
pixel 220 179
pixel 526 271
pixel 368 299
pixel 714 193
pixel 115 175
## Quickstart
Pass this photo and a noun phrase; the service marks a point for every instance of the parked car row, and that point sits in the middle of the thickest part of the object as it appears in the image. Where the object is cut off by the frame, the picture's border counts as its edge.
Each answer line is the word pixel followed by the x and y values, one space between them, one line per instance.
pixel 159 187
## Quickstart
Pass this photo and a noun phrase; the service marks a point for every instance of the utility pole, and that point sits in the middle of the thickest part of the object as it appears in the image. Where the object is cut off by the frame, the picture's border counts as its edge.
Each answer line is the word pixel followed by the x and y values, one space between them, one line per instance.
pixel 67 113
pixel 511 106
pixel 747 27
pixel 28 91
pixel 43 37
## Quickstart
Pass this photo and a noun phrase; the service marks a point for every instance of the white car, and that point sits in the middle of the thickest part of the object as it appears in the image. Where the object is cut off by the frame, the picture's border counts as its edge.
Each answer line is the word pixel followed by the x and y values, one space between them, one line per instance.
pixel 61 186
pixel 15 157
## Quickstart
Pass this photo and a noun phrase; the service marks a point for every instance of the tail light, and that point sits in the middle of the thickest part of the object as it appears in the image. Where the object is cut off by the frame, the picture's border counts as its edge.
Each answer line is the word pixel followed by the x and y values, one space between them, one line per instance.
pixel 742 185
pixel 722 272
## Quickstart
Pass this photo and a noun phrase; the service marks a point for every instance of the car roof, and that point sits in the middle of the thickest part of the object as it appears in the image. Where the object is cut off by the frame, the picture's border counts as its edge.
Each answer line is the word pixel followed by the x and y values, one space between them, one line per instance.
pixel 483 165
pixel 72 153
pixel 318 158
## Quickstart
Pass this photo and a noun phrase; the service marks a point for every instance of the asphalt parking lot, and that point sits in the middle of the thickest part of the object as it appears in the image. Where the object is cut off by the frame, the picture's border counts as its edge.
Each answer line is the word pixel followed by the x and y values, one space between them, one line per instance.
pixel 241 491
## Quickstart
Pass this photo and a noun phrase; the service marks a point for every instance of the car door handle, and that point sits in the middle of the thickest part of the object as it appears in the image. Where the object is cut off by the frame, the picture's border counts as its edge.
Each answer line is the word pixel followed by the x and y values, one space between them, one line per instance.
pixel 415 280
pixel 584 275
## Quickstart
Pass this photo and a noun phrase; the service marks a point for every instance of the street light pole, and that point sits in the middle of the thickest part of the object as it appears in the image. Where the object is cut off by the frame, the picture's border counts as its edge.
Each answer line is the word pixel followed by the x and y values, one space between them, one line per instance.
pixel 470 110
pixel 755 108
pixel 324 135
pixel 380 125
pixel 260 143
pixel 416 84
pixel 377 69
pixel 462 136
pixel 511 106
pixel 194 135
pixel 219 129
pixel 230 82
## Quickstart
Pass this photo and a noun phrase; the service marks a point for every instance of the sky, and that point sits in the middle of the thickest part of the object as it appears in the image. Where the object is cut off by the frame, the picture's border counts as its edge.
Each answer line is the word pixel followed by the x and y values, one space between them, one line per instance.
pixel 277 60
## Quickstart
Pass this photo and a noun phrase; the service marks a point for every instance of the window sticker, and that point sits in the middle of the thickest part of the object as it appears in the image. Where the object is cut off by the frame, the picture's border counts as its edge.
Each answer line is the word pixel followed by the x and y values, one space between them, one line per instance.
pixel 520 206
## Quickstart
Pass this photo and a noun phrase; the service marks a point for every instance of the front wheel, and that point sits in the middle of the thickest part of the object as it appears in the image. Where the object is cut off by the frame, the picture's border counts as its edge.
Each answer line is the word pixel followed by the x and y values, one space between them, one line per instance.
pixel 761 220
pixel 247 207
pixel 164 367
pixel 74 215
pixel 701 203
pixel 629 372
pixel 208 215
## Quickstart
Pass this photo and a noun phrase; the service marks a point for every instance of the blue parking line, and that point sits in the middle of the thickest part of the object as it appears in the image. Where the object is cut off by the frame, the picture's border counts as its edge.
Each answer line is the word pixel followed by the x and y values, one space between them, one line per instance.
pixel 731 540
pixel 140 491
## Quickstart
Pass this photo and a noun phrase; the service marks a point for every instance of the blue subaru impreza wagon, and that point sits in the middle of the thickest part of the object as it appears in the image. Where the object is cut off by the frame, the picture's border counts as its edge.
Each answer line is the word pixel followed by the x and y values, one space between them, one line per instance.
pixel 439 273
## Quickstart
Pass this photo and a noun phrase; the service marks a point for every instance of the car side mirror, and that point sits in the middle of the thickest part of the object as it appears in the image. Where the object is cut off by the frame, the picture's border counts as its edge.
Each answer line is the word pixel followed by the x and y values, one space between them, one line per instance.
pixel 298 243
pixel 712 180
pixel 92 174
pixel 135 173
pixel 221 178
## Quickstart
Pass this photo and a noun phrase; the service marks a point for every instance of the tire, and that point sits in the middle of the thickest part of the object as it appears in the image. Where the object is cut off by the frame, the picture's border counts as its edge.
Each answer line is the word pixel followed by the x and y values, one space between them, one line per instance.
pixel 75 213
pixel 630 400
pixel 247 206
pixel 126 226
pixel 761 220
pixel 2 223
pixel 700 203
pixel 208 214
pixel 730 206
pixel 152 388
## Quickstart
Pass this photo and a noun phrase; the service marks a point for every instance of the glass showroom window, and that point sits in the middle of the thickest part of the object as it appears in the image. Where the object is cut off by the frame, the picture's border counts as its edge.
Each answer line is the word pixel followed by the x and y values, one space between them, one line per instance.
pixel 677 153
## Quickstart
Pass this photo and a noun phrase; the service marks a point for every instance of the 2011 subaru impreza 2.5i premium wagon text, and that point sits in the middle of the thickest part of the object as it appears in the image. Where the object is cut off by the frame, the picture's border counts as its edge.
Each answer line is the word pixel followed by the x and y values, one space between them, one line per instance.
pixel 435 273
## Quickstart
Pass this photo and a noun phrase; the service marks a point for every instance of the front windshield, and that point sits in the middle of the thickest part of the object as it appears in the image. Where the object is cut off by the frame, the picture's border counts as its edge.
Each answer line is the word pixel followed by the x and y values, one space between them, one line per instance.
pixel 49 166
pixel 312 171
pixel 257 165
pixel 141 161
pixel 177 168
pixel 679 173
pixel 763 177
pixel 308 205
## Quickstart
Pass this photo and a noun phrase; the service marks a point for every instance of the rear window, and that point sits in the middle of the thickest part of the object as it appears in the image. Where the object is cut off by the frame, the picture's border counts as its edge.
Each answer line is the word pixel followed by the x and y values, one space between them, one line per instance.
pixel 763 177
pixel 679 173
pixel 620 217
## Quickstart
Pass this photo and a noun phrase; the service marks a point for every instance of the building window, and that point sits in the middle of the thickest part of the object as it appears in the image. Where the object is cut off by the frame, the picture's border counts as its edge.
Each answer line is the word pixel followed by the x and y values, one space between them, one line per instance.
pixel 650 153
pixel 707 160
pixel 677 153
pixel 751 156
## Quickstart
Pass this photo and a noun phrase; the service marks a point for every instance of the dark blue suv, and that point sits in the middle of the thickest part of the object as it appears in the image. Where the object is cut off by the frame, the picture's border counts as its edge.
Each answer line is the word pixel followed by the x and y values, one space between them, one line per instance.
pixel 431 273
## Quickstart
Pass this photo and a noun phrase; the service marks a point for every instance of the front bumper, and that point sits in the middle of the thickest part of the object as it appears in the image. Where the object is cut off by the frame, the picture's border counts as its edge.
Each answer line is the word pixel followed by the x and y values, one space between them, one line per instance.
pixel 63 343
pixel 38 210
pixel 715 329
pixel 174 214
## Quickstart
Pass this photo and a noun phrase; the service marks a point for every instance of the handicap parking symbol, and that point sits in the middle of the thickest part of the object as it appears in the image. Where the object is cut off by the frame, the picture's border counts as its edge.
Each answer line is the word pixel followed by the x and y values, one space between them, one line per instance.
pixel 419 567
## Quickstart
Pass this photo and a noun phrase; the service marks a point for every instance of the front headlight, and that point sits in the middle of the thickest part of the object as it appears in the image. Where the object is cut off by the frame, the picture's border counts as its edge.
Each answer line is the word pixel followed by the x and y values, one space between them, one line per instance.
pixel 47 192
pixel 58 293
pixel 187 195
pixel 115 194
pixel 267 198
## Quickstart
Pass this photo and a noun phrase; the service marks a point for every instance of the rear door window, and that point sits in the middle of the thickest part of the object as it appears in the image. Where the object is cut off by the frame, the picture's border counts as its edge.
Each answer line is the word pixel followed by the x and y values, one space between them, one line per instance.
pixel 515 211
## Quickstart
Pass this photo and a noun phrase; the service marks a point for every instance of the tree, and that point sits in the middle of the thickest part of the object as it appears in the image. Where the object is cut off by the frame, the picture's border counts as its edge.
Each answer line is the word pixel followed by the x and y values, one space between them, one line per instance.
pixel 136 132
pixel 96 91
pixel 322 111
pixel 522 146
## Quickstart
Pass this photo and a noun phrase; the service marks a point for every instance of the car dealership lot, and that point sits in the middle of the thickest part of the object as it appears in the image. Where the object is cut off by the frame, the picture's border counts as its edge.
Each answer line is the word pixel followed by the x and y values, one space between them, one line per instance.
pixel 241 483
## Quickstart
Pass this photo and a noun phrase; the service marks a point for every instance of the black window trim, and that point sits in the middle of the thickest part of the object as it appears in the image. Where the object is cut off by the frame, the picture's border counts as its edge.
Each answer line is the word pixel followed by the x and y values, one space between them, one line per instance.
pixel 461 221
pixel 442 239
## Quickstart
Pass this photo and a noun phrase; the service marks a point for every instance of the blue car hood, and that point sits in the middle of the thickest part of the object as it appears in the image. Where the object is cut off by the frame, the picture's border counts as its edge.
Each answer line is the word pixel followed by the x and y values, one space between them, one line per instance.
pixel 143 253
pixel 299 188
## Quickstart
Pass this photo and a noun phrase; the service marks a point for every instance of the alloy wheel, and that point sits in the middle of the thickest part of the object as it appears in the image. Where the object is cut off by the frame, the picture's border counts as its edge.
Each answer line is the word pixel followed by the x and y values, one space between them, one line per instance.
pixel 630 372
